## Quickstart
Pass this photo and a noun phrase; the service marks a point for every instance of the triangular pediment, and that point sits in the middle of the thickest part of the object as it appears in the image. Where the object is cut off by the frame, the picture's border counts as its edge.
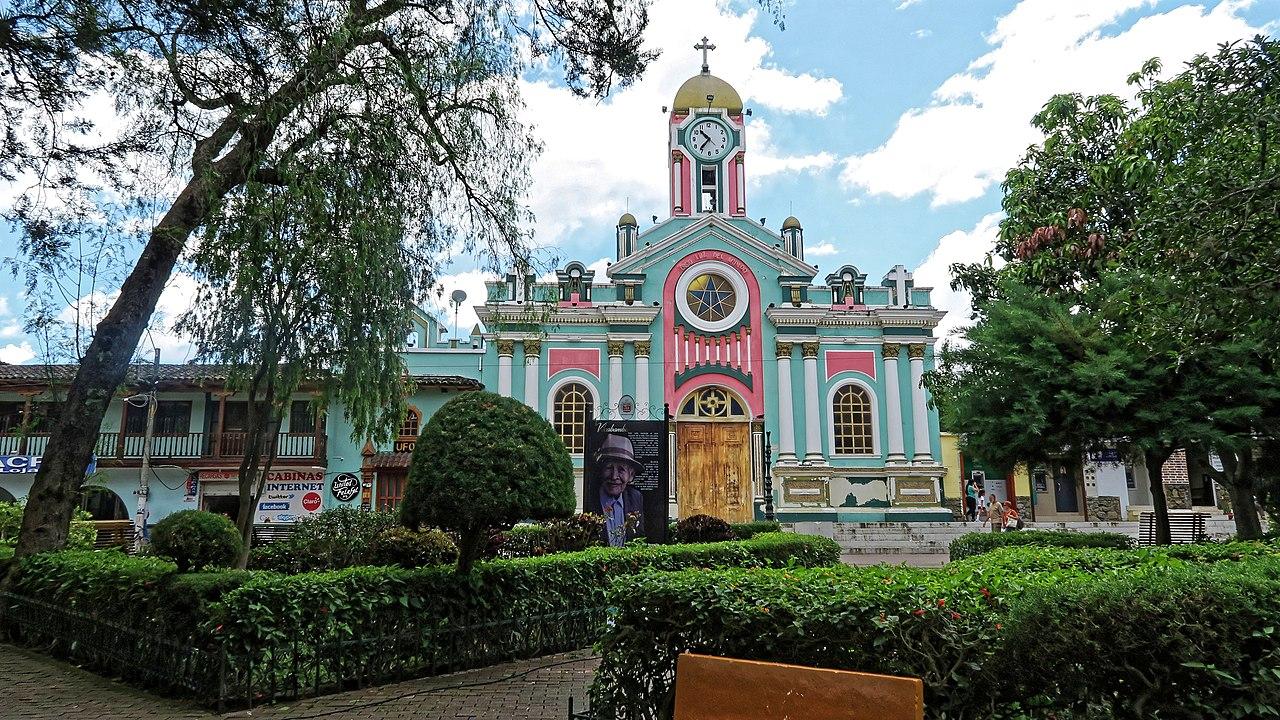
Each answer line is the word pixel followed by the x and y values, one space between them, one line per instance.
pixel 693 236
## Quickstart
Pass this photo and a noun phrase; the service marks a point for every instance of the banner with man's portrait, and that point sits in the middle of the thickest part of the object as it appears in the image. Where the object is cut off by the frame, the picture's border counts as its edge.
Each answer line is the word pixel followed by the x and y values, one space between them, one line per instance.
pixel 625 478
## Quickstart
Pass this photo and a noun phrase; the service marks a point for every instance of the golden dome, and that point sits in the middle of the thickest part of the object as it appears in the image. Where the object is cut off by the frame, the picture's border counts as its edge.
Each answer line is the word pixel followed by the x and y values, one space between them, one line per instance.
pixel 628 219
pixel 693 94
pixel 790 223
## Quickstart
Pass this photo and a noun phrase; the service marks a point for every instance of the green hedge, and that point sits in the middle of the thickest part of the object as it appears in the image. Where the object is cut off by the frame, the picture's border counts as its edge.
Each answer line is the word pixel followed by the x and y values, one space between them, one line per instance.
pixel 252 607
pixel 952 628
pixel 748 530
pixel 978 542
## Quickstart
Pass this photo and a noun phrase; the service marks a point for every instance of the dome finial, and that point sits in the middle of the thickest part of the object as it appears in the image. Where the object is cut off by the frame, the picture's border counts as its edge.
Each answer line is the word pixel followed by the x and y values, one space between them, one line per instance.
pixel 704 46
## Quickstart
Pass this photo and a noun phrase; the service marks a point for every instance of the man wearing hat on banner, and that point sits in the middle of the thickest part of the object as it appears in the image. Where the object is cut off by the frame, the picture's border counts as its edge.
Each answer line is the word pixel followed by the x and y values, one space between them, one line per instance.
pixel 612 495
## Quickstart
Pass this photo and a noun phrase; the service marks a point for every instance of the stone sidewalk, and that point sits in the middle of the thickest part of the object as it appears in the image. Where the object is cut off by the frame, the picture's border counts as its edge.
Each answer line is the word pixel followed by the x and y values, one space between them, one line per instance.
pixel 36 687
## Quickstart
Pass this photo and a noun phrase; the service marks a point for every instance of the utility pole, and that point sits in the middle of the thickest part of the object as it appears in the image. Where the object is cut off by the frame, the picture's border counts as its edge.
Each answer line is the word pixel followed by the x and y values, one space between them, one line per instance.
pixel 144 488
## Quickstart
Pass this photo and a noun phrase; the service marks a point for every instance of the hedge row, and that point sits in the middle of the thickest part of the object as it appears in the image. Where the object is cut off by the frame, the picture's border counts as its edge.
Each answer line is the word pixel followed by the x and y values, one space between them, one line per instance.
pixel 978 542
pixel 1019 632
pixel 252 608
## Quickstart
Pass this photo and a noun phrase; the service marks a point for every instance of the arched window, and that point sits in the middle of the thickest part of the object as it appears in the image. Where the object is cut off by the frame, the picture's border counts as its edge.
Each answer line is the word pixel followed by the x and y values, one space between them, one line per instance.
pixel 569 412
pixel 712 402
pixel 410 426
pixel 851 421
pixel 102 503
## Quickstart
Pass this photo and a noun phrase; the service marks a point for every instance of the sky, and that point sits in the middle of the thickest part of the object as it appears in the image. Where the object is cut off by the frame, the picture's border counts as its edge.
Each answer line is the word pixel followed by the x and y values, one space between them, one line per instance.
pixel 885 126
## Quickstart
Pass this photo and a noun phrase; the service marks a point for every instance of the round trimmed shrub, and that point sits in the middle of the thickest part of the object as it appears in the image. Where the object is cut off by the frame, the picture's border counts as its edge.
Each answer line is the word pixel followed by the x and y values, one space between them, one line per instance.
pixel 411 548
pixel 196 539
pixel 702 529
pixel 575 533
pixel 482 461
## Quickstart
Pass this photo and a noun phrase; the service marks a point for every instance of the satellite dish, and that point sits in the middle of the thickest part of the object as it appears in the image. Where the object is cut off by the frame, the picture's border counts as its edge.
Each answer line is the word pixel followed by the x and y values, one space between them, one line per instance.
pixel 458 296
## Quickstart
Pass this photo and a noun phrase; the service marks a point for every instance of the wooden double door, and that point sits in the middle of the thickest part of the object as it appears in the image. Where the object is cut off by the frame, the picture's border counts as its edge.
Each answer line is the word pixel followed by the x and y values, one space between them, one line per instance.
pixel 713 470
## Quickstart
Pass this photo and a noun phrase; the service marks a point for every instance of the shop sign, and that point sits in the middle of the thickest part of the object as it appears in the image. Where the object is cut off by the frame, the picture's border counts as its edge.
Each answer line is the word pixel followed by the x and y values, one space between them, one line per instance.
pixel 345 487
pixel 30 464
pixel 289 495
pixel 405 445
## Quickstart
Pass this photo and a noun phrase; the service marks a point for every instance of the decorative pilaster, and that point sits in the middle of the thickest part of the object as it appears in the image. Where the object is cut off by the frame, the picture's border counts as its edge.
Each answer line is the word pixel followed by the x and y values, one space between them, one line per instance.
pixel 532 359
pixel 894 403
pixel 506 350
pixel 812 423
pixel 615 378
pixel 919 412
pixel 786 419
pixel 642 379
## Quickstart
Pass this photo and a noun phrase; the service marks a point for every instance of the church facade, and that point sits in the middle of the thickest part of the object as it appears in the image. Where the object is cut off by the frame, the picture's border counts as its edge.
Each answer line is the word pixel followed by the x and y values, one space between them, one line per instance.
pixel 720 321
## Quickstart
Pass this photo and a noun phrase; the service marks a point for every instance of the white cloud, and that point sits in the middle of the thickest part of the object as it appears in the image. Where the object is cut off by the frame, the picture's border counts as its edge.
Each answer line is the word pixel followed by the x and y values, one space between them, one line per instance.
pixel 766 160
pixel 598 155
pixel 821 250
pixel 921 33
pixel 16 354
pixel 978 124
pixel 956 247
pixel 12 330
pixel 907 3
pixel 472 283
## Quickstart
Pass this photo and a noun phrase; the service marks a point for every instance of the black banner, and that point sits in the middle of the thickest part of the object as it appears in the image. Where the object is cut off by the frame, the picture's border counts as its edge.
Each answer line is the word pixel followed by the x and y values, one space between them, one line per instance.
pixel 625 478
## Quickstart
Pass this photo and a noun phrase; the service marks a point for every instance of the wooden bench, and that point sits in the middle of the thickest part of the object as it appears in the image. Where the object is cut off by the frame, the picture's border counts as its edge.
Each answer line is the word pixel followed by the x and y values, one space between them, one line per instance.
pixel 113 534
pixel 1184 527
pixel 716 688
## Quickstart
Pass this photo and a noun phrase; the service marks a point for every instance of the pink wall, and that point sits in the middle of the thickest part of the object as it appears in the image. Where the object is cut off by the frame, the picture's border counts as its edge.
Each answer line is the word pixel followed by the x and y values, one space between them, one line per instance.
pixel 863 361
pixel 584 359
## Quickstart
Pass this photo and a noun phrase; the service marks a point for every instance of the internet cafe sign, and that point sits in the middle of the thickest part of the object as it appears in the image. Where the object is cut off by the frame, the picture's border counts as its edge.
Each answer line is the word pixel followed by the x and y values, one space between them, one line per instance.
pixel 289 495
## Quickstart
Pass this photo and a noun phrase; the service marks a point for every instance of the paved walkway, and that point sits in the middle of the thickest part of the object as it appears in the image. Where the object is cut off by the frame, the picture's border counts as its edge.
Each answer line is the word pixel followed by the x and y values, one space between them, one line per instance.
pixel 36 687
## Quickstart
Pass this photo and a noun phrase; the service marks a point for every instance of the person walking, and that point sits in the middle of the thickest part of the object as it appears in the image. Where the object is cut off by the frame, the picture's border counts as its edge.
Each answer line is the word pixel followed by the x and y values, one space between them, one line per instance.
pixel 1012 518
pixel 971 501
pixel 981 515
pixel 995 514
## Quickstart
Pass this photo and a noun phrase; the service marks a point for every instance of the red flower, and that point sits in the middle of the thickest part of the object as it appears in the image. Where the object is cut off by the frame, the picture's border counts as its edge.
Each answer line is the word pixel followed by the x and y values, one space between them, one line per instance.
pixel 942 602
pixel 999 626
pixel 955 615
pixel 985 592
pixel 918 613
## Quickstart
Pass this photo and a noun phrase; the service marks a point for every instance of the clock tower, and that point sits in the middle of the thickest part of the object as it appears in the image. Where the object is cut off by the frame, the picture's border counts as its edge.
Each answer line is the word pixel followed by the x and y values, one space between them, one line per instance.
pixel 707 146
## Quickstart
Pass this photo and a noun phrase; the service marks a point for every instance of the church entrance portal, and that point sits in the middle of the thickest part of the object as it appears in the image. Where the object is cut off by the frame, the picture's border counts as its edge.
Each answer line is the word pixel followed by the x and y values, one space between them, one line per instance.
pixel 713 456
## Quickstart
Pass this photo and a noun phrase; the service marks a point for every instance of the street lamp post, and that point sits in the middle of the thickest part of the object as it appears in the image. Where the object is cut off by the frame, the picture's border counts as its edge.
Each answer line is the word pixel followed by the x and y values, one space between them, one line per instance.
pixel 768 478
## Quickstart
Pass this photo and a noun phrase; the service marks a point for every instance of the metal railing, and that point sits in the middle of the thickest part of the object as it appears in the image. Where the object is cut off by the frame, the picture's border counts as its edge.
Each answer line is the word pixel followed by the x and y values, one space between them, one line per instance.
pixel 198 445
pixel 320 658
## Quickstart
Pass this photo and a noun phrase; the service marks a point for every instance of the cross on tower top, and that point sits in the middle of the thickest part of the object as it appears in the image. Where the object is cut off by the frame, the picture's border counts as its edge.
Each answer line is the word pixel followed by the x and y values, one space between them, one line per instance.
pixel 704 46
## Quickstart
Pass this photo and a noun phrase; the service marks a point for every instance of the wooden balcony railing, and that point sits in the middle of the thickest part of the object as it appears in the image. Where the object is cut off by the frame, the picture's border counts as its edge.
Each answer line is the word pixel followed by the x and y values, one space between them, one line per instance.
pixel 185 446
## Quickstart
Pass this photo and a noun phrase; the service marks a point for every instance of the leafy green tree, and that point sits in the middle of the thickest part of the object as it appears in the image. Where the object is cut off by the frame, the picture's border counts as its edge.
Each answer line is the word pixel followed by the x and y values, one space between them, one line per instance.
pixel 1159 222
pixel 220 94
pixel 485 461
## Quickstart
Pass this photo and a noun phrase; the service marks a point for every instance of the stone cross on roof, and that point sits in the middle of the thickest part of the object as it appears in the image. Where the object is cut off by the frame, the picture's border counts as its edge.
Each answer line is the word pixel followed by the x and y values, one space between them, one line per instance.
pixel 899 277
pixel 704 46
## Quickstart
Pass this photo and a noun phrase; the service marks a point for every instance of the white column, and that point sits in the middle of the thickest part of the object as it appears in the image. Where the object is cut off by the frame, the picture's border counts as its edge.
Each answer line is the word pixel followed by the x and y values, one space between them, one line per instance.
pixel 532 359
pixel 642 379
pixel 919 413
pixel 786 420
pixel 506 348
pixel 894 403
pixel 615 378
pixel 812 423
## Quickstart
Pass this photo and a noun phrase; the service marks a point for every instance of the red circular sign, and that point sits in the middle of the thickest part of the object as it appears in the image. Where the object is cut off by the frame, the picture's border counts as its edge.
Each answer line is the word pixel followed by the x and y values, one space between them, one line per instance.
pixel 311 501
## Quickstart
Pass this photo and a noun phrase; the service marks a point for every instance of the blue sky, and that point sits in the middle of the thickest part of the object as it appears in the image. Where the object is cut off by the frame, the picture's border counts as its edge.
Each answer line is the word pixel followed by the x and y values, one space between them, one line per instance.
pixel 884 125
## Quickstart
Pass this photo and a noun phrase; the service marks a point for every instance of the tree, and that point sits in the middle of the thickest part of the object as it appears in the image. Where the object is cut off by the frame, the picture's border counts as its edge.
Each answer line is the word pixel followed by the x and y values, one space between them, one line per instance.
pixel 1127 215
pixel 485 461
pixel 220 94
pixel 296 291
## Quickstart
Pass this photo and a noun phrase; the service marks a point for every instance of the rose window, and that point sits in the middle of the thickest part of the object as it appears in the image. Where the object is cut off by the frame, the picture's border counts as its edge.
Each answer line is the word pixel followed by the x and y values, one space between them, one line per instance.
pixel 711 297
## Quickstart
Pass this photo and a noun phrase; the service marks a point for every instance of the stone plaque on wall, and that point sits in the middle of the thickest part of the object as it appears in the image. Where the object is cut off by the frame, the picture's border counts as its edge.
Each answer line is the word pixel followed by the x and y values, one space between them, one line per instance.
pixel 914 491
pixel 806 492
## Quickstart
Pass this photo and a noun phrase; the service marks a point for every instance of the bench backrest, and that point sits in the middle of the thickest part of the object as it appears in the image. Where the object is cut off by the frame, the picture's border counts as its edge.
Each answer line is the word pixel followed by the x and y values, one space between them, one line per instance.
pixel 716 688
pixel 1184 528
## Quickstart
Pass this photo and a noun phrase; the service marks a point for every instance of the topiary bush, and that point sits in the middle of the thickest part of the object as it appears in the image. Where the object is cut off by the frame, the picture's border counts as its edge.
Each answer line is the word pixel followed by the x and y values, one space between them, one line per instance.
pixel 977 543
pixel 703 528
pixel 196 539
pixel 411 549
pixel 744 531
pixel 482 461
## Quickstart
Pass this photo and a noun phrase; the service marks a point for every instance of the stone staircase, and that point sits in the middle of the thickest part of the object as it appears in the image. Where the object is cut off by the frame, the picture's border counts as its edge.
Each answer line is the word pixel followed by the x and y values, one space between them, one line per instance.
pixel 934 538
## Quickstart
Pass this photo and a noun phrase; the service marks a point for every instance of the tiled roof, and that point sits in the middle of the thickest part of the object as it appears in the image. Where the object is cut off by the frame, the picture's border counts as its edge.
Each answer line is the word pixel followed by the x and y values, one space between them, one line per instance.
pixel 385 460
pixel 186 374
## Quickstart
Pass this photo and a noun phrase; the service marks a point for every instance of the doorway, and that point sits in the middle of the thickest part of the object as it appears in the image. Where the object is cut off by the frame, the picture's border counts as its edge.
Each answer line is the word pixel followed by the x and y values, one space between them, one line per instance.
pixel 713 456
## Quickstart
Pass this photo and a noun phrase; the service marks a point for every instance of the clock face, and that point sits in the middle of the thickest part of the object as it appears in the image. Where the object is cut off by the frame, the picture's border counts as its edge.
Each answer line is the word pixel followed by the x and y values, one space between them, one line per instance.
pixel 709 140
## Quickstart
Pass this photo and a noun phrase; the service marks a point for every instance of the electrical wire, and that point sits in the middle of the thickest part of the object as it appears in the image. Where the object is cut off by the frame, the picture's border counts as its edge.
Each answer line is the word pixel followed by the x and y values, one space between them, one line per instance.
pixel 428 691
